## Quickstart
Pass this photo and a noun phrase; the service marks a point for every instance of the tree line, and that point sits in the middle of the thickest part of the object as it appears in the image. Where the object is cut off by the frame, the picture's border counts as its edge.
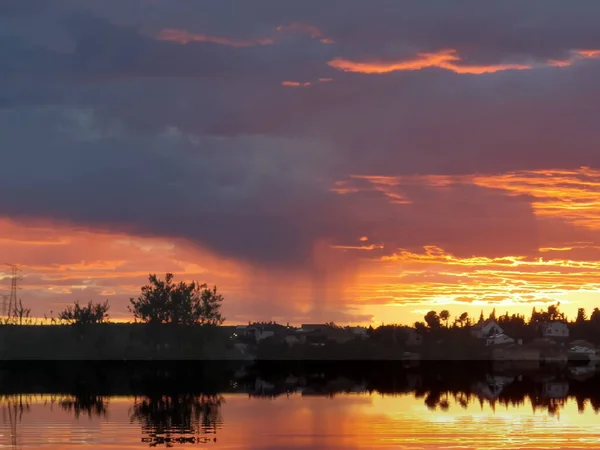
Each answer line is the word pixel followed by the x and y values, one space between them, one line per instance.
pixel 435 320
pixel 583 326
pixel 160 302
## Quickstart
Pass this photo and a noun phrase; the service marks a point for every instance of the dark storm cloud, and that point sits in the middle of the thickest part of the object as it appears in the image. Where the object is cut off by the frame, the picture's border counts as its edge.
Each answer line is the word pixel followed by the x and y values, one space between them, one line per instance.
pixel 89 96
pixel 488 30
pixel 254 198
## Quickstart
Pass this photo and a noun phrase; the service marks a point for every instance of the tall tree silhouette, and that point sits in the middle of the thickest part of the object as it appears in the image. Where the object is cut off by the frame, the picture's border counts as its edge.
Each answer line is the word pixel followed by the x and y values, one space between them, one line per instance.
pixel 178 303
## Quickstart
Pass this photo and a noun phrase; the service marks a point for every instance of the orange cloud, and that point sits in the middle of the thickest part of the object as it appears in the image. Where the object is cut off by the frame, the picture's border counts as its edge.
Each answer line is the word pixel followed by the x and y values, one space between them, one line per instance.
pixel 571 195
pixel 343 187
pixel 70 264
pixel 588 53
pixel 185 37
pixel 448 59
pixel 576 55
pixel 559 63
pixel 443 59
pixel 564 271
pixel 357 247
pixel 441 280
pixel 296 83
pixel 85 264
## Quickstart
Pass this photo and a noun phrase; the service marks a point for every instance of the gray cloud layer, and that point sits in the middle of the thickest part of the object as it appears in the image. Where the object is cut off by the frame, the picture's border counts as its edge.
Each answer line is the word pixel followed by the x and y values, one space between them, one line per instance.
pixel 103 124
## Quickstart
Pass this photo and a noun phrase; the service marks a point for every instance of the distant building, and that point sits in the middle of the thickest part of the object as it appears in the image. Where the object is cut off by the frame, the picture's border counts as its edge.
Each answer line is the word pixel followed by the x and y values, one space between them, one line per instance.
pixel 320 334
pixel 486 328
pixel 260 335
pixel 311 327
pixel 581 350
pixel 554 329
pixel 254 333
pixel 499 339
pixel 583 343
pixel 361 332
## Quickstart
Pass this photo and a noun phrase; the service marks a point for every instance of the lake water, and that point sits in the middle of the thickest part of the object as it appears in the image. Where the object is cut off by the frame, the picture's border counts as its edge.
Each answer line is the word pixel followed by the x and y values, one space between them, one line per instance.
pixel 422 417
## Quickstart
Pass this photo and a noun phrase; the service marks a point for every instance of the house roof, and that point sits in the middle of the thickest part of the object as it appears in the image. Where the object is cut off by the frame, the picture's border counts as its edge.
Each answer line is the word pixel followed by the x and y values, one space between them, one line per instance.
pixel 480 325
pixel 498 335
pixel 583 350
pixel 582 343
pixel 547 324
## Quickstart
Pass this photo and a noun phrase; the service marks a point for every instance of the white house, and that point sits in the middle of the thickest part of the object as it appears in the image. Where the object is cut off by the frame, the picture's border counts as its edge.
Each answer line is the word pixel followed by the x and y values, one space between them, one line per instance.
pixel 499 339
pixel 486 328
pixel 554 329
pixel 252 332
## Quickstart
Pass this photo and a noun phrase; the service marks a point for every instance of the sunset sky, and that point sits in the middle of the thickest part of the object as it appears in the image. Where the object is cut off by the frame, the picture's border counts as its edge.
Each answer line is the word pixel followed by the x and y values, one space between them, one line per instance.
pixel 318 160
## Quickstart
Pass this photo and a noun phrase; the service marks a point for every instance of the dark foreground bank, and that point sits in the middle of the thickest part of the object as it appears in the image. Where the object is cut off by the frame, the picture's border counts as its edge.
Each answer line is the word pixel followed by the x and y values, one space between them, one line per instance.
pixel 116 341
pixel 168 342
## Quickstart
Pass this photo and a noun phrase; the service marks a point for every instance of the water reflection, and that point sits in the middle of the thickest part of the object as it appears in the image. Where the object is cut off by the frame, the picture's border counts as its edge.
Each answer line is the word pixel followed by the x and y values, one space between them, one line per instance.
pixel 181 419
pixel 13 408
pixel 87 404
pixel 312 408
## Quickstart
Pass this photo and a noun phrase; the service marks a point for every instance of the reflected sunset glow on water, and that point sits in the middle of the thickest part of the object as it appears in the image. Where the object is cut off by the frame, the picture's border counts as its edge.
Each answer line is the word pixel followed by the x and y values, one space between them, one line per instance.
pixel 295 422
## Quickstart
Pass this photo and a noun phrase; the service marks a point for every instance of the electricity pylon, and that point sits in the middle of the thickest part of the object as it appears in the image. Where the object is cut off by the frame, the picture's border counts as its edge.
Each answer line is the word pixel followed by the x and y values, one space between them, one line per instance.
pixel 9 302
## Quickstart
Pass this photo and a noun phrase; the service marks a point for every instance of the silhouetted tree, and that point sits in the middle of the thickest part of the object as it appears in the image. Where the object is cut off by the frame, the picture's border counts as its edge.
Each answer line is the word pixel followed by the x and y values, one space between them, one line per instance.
pixel 420 327
pixel 182 303
pixel 90 314
pixel 515 325
pixel 581 316
pixel 432 319
pixel 445 315
pixel 19 315
pixel 534 318
pixel 553 313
